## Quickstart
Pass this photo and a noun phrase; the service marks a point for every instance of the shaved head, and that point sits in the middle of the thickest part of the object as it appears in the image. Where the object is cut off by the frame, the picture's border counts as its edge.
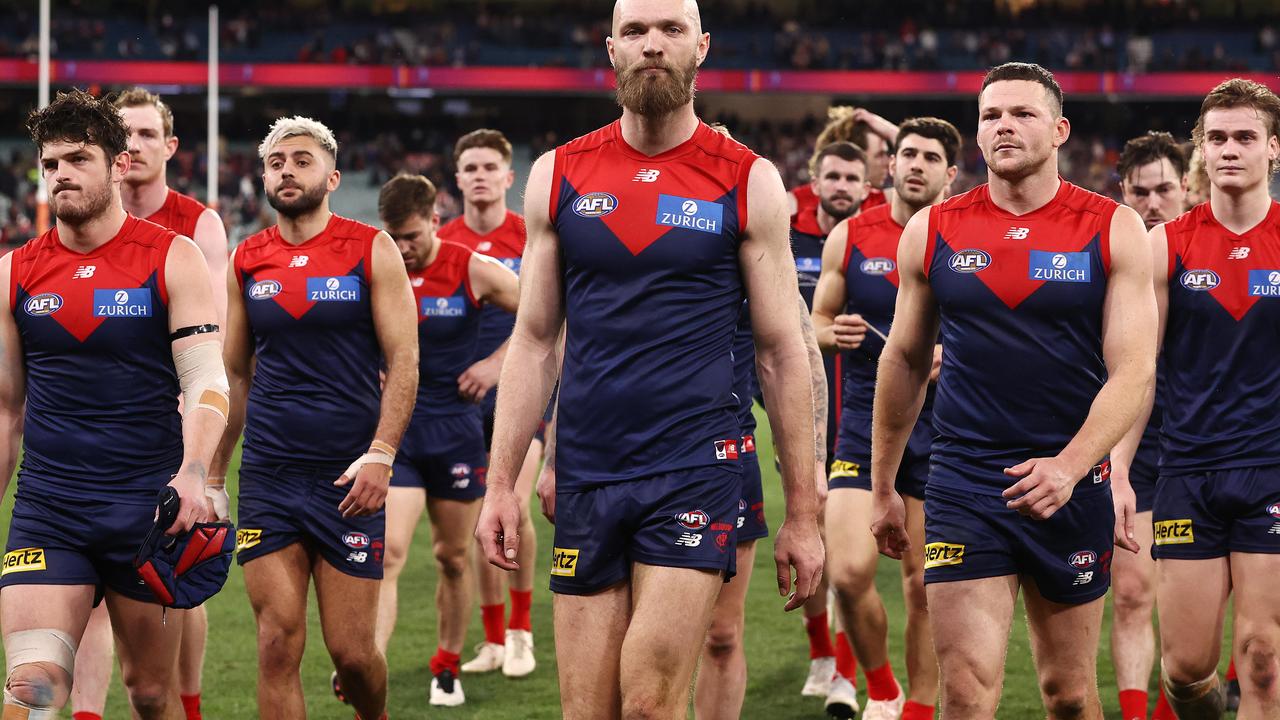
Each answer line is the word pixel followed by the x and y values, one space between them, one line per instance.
pixel 690 8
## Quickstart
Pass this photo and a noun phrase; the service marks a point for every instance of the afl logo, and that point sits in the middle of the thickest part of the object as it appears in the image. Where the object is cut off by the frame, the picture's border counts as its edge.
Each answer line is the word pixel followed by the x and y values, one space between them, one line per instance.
pixel 264 289
pixel 1274 510
pixel 693 520
pixel 356 540
pixel 1083 559
pixel 877 266
pixel 596 204
pixel 1200 280
pixel 970 261
pixel 43 304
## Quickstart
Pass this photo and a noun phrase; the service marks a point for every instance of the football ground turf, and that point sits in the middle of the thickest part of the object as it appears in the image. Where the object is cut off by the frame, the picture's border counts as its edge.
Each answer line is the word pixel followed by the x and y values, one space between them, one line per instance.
pixel 777 650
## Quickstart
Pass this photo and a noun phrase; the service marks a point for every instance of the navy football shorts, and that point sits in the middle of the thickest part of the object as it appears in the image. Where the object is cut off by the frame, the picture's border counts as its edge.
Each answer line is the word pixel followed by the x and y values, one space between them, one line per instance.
pixel 78 541
pixel 445 454
pixel 973 535
pixel 1142 475
pixel 751 520
pixel 285 504
pixel 683 519
pixel 852 465
pixel 1212 514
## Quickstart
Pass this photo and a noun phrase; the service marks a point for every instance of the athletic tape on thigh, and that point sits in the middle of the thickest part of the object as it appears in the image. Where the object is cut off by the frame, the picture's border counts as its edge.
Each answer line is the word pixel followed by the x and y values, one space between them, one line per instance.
pixel 44 645
pixel 18 710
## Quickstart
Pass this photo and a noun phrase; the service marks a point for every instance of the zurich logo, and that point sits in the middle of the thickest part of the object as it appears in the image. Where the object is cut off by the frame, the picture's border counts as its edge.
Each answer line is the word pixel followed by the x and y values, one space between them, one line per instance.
pixel 689 207
pixel 122 297
pixel 1059 261
pixel 1273 277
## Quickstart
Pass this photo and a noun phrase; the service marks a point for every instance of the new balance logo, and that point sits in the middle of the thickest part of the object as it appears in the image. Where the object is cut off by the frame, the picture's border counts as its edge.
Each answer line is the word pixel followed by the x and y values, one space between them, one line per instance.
pixel 1238 253
pixel 1017 233
pixel 84 271
pixel 647 176
pixel 299 261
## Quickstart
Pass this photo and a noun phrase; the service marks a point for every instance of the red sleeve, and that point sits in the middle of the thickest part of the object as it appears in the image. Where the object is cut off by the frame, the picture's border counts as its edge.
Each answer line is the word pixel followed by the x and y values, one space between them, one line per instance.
pixel 557 172
pixel 368 257
pixel 848 249
pixel 930 241
pixel 162 282
pixel 744 177
pixel 1169 249
pixel 1104 236
pixel 237 265
pixel 466 281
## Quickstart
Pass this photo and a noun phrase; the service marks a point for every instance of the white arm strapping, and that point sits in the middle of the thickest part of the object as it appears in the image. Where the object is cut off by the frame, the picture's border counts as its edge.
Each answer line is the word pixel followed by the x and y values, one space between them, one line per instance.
pixel 203 378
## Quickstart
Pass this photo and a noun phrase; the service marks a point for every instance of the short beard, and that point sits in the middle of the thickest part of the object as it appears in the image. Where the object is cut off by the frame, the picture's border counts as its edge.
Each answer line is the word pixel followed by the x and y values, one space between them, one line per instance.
pixel 829 208
pixel 306 202
pixel 94 206
pixel 656 96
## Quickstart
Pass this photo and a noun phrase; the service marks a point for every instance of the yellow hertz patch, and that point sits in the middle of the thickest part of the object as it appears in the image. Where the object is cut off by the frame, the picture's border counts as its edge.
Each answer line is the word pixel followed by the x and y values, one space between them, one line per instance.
pixel 564 562
pixel 939 554
pixel 844 468
pixel 24 560
pixel 246 539
pixel 1174 532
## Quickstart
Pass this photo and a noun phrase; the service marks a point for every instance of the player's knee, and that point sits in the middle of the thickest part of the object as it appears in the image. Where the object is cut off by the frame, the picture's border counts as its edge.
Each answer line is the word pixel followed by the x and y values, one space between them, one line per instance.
pixel 279 648
pixel 451 560
pixel 394 559
pixel 150 699
pixel 1065 700
pixel 853 580
pixel 963 685
pixel 723 639
pixel 36 686
pixel 354 660
pixel 1259 661
pixel 647 705
pixel 1132 598
pixel 913 592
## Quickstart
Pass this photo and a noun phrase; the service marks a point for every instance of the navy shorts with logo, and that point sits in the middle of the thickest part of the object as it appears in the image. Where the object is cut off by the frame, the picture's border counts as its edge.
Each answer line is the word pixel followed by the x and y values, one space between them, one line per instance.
pixel 445 454
pixel 852 465
pixel 1142 475
pixel 1213 514
pixel 751 520
pixel 684 519
pixel 971 535
pixel 70 541
pixel 285 504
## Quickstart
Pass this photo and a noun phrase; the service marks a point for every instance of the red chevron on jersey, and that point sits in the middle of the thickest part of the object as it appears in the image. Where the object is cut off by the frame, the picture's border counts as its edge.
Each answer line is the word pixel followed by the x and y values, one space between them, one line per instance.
pixel 875 235
pixel 805 219
pixel 179 213
pixel 270 269
pixel 52 280
pixel 505 241
pixel 999 247
pixel 1234 269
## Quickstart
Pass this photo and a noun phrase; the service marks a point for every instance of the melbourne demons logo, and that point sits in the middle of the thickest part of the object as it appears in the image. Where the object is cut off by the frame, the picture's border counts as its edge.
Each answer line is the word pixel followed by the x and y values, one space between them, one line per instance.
pixel 877 266
pixel 970 261
pixel 43 304
pixel 596 204
pixel 1200 280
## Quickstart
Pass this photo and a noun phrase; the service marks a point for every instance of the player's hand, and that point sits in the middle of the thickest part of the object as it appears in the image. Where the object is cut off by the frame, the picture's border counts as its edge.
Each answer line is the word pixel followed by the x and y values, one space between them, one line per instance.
pixel 850 331
pixel 878 124
pixel 889 525
pixel 936 370
pixel 1046 485
pixel 1126 505
pixel 498 529
pixel 798 546
pixel 546 489
pixel 479 379
pixel 219 501
pixel 369 492
pixel 192 507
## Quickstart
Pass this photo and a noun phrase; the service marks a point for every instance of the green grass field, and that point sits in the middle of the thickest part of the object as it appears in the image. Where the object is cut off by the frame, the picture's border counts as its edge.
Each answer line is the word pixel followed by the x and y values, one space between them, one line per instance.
pixel 777 651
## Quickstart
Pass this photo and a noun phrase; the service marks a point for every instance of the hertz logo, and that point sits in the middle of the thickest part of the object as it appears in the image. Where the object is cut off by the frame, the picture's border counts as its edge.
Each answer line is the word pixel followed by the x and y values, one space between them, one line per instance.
pixel 246 539
pixel 24 560
pixel 939 554
pixel 1174 532
pixel 844 469
pixel 564 562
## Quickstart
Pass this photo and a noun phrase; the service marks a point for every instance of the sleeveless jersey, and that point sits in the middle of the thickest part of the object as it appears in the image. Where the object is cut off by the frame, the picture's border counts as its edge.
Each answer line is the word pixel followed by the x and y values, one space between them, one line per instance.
pixel 505 244
pixel 1020 299
pixel 102 416
pixel 807 237
pixel 315 395
pixel 179 213
pixel 653 291
pixel 449 321
pixel 744 371
pixel 1222 384
pixel 807 200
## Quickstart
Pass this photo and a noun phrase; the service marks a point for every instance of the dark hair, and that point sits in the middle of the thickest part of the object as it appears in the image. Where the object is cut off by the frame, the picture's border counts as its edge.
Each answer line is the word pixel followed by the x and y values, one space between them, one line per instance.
pixel 483 138
pixel 78 117
pixel 844 150
pixel 404 196
pixel 934 128
pixel 1030 72
pixel 141 97
pixel 1238 92
pixel 1149 148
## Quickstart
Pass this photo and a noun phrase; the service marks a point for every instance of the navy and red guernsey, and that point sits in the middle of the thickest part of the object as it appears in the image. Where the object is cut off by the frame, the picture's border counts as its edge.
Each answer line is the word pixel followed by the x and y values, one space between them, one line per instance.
pixel 179 213
pixel 1222 381
pixel 449 321
pixel 745 386
pixel 102 416
pixel 505 244
pixel 653 290
pixel 1020 298
pixel 315 395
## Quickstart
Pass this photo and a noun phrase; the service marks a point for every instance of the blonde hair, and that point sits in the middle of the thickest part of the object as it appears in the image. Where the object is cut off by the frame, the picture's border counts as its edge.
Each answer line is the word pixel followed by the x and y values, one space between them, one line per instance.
pixel 299 126
pixel 140 97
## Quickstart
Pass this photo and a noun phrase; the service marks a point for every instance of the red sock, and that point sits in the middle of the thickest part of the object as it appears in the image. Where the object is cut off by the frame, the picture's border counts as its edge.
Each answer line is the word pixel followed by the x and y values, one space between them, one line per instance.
pixel 191 706
pixel 846 663
pixel 1231 670
pixel 915 711
pixel 521 603
pixel 85 715
pixel 493 631
pixel 881 684
pixel 1163 711
pixel 819 632
pixel 444 660
pixel 1133 705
